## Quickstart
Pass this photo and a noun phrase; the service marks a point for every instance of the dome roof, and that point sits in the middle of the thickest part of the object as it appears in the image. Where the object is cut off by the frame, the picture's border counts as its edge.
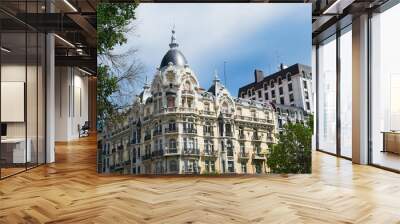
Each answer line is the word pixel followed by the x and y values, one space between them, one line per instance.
pixel 175 57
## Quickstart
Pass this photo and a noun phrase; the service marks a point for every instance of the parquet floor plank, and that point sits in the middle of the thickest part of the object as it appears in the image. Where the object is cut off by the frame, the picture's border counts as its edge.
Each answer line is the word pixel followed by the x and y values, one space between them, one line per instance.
pixel 70 191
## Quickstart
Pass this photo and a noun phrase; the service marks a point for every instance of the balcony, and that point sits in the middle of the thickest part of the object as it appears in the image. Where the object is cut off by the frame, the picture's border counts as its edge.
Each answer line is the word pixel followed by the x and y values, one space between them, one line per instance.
pixel 157 132
pixel 146 157
pixel 191 170
pixel 209 153
pixel 209 113
pixel 228 134
pixel 242 136
pixel 190 130
pixel 243 155
pixel 135 141
pixel 188 92
pixel 258 156
pixel 187 110
pixel 157 153
pixel 147 137
pixel 117 166
pixel 191 152
pixel 208 134
pixel 171 130
pixel 256 137
pixel 171 152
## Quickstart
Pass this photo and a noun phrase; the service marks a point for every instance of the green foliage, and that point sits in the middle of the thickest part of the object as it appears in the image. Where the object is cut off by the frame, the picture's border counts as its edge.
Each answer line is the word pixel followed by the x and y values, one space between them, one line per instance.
pixel 112 25
pixel 292 154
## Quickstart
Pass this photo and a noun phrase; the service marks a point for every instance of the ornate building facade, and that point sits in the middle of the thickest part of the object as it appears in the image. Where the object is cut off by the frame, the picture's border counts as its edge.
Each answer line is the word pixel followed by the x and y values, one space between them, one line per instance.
pixel 177 127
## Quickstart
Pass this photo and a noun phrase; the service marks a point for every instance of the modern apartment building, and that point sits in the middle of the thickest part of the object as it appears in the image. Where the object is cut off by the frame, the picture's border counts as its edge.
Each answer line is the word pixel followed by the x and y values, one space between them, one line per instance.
pixel 289 90
pixel 176 127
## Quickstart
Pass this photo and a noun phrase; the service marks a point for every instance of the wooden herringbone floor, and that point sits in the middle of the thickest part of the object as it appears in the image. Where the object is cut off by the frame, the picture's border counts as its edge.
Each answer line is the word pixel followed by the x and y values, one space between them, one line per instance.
pixel 70 191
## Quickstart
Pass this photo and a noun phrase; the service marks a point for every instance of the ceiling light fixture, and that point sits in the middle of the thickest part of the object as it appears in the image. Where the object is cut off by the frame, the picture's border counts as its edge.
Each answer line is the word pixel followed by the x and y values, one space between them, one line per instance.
pixel 338 6
pixel 5 50
pixel 84 71
pixel 64 40
pixel 70 5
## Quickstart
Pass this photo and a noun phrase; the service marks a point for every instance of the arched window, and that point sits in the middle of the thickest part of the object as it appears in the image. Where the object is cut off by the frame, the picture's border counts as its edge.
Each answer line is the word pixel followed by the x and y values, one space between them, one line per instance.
pixel 265 86
pixel 225 108
pixel 248 92
pixel 271 83
pixel 279 81
pixel 187 86
pixel 173 166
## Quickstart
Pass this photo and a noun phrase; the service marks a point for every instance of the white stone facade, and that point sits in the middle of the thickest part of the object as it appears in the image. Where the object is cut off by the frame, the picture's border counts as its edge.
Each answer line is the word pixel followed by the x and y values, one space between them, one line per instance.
pixel 176 127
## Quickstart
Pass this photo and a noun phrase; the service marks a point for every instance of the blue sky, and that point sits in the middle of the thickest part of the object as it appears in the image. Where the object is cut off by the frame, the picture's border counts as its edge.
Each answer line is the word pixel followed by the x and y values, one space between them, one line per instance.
pixel 246 36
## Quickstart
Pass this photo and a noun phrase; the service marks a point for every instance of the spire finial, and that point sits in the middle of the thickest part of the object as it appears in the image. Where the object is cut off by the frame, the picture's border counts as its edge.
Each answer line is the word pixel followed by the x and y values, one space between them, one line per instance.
pixel 173 43
pixel 146 84
pixel 216 78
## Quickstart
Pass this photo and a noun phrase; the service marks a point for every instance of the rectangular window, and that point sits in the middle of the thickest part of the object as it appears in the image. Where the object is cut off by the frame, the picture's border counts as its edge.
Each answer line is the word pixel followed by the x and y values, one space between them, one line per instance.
pixel 212 166
pixel 290 87
pixel 327 95
pixel 273 93
pixel 282 100
pixel 291 97
pixel 231 167
pixel 345 94
pixel 306 95
pixel 266 96
pixel 289 78
pixel 280 90
pixel 244 167
pixel 305 84
pixel 207 165
pixel 207 107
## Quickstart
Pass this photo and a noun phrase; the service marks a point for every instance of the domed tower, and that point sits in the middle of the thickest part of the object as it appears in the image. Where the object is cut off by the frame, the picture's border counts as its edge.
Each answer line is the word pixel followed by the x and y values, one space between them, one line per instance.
pixel 173 56
pixel 176 79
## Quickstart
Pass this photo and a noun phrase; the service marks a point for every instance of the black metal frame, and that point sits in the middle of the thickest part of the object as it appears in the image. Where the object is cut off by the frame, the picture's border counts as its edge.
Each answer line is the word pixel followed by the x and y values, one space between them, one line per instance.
pixel 380 9
pixel 337 34
pixel 44 80
pixel 389 4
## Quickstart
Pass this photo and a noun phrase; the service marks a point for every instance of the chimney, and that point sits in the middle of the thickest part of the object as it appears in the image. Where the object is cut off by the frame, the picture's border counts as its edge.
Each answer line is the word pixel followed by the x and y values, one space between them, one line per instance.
pixel 258 75
pixel 281 66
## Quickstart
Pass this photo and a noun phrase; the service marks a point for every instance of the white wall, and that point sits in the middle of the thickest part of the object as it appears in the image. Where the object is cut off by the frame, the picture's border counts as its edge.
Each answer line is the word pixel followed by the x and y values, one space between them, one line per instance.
pixel 71 102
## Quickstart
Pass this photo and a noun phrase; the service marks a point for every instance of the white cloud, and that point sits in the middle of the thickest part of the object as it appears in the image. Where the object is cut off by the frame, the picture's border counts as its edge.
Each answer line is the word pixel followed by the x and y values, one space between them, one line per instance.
pixel 202 30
